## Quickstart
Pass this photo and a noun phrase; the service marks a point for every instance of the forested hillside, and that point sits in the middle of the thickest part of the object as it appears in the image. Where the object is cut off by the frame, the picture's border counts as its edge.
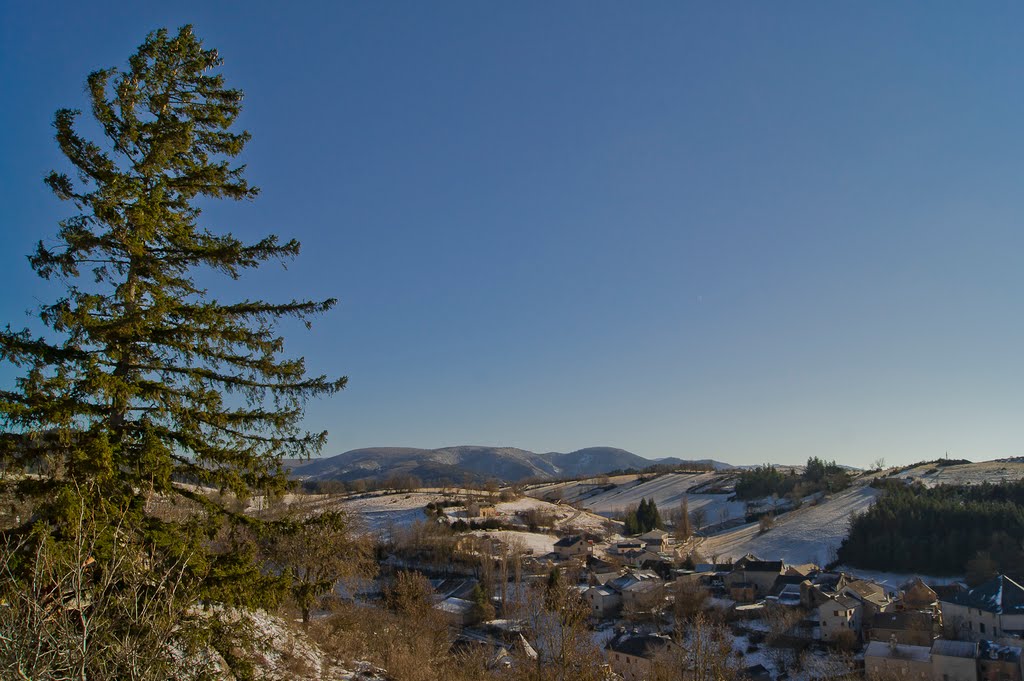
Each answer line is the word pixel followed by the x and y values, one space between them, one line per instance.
pixel 945 530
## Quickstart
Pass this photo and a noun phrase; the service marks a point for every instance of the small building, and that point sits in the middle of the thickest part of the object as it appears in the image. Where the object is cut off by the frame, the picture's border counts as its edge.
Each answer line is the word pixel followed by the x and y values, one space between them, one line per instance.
pixel 837 615
pixel 885 661
pixel 872 596
pixel 955 660
pixel 761 573
pixel 603 601
pixel 632 656
pixel 643 596
pixel 919 596
pixel 458 612
pixel 909 627
pixel 623 547
pixel 571 547
pixel 655 540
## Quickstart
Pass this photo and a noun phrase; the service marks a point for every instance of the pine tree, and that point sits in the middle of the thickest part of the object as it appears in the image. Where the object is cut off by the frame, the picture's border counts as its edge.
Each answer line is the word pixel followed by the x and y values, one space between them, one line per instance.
pixel 643 516
pixel 144 379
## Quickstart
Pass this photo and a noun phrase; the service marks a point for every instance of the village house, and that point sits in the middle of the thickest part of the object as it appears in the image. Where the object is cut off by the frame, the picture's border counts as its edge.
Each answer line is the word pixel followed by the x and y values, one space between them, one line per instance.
pixel 643 597
pixel 759 573
pixel 656 540
pixel 821 587
pixel 886 661
pixel 743 592
pixel 626 546
pixel 787 590
pixel 641 557
pixel 910 627
pixel 837 615
pixel 993 610
pixel 458 612
pixel 954 660
pixel 601 570
pixel 918 596
pixel 603 601
pixel 607 600
pixel 872 597
pixel 571 547
pixel 632 656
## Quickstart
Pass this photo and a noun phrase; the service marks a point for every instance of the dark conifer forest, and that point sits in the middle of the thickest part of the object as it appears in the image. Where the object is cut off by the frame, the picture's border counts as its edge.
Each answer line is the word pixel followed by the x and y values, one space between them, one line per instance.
pixel 945 530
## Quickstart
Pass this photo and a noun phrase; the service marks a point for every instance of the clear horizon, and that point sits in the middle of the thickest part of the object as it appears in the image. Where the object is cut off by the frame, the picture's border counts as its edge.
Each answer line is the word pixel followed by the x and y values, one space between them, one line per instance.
pixel 749 233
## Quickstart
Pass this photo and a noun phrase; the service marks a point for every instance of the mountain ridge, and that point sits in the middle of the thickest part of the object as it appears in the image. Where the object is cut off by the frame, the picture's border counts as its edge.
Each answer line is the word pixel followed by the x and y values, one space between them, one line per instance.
pixel 476 463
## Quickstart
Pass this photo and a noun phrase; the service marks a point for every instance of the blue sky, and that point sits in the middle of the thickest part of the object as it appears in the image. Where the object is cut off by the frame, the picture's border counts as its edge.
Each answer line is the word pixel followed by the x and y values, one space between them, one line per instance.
pixel 754 232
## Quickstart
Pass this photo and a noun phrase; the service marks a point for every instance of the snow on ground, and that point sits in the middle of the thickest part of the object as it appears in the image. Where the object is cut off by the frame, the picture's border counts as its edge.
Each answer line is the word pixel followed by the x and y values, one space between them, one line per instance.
pixel 381 512
pixel 810 534
pixel 539 543
pixel 892 581
pixel 667 491
pixel 964 474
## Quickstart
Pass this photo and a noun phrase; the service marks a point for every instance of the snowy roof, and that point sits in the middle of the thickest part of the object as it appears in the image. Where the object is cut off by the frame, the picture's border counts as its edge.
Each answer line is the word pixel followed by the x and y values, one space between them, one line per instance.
pixel 864 590
pixel 1000 595
pixel 987 650
pixel 947 648
pixel 645 585
pixel 653 534
pixel 899 651
pixel 456 606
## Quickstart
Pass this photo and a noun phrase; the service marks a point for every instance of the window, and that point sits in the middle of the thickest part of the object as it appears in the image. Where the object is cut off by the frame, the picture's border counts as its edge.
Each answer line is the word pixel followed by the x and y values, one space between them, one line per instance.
pixel 981 627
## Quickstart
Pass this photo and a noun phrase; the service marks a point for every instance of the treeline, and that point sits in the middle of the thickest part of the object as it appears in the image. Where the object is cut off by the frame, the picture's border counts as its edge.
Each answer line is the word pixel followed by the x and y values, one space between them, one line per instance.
pixel 818 476
pixel 947 530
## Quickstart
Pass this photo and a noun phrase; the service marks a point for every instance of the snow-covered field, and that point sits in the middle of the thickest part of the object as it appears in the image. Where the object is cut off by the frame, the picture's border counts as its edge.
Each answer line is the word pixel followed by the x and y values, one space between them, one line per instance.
pixel 965 474
pixel 382 512
pixel 667 491
pixel 810 534
pixel 540 544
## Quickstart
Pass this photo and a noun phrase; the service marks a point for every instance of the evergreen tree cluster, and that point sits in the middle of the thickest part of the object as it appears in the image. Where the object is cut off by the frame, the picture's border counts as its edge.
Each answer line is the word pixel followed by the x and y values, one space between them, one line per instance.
pixel 644 518
pixel 939 530
pixel 767 480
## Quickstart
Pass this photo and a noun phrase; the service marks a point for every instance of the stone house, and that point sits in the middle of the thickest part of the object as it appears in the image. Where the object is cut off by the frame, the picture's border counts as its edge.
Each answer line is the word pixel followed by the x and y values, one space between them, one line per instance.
pixel 643 596
pixel 458 612
pixel 839 614
pixel 572 547
pixel 909 627
pixel 760 573
pixel 918 596
pixel 886 661
pixel 872 596
pixel 603 601
pixel 655 540
pixel 632 656
pixel 993 610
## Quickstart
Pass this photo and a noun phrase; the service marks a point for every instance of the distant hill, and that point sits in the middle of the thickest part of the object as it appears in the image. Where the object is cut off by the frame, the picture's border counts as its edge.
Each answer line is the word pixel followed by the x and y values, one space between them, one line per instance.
pixel 474 463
